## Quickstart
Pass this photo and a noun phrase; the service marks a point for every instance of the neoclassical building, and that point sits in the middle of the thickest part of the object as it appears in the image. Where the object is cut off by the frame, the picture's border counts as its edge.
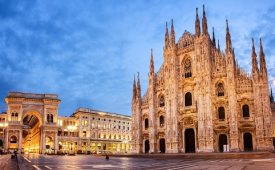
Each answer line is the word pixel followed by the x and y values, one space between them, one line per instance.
pixel 200 100
pixel 32 124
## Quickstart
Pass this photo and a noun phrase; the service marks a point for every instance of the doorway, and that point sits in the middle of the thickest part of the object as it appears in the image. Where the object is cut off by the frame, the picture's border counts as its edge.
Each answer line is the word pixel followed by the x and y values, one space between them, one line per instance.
pixel 147 146
pixel 247 142
pixel 189 137
pixel 222 142
pixel 162 145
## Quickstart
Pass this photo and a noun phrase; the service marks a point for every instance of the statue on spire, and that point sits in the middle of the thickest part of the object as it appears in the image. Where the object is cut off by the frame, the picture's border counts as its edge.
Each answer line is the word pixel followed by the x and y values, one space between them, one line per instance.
pixel 166 37
pixel 134 90
pixel 213 37
pixel 204 23
pixel 197 24
pixel 152 63
pixel 172 34
pixel 228 38
pixel 271 96
pixel 263 69
pixel 255 69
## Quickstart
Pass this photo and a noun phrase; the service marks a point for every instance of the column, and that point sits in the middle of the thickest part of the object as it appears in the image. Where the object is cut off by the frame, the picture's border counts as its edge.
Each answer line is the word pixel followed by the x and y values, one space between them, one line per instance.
pixel 42 141
pixel 20 142
pixel 56 143
pixel 6 139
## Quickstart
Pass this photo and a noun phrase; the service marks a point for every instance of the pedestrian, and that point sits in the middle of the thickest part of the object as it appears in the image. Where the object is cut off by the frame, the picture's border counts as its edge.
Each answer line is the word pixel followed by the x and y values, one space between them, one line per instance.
pixel 15 154
pixel 107 157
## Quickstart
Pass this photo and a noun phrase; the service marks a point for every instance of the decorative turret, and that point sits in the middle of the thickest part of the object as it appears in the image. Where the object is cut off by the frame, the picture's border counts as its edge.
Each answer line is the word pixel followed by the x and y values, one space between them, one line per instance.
pixel 204 23
pixel 271 96
pixel 263 70
pixel 197 24
pixel 152 63
pixel 138 87
pixel 228 38
pixel 172 34
pixel 213 37
pixel 134 90
pixel 255 70
pixel 166 37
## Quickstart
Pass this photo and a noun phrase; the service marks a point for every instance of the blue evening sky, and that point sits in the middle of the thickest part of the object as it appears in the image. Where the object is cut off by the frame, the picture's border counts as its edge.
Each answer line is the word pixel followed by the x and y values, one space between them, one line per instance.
pixel 87 51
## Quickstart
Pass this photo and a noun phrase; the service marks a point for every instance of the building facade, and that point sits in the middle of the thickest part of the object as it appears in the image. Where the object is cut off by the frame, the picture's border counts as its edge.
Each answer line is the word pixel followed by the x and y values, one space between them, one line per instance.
pixel 32 124
pixel 200 100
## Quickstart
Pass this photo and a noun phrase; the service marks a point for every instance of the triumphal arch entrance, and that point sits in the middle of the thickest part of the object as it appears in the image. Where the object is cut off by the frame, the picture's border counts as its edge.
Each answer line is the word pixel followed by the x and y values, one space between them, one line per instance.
pixel 32 120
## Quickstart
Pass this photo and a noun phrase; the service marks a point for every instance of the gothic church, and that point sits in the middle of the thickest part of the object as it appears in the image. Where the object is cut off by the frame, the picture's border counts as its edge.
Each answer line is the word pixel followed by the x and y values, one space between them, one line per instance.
pixel 200 100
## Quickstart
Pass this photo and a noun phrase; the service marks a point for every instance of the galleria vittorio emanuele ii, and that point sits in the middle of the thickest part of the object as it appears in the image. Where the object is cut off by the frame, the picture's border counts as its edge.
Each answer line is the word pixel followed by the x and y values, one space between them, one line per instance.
pixel 201 100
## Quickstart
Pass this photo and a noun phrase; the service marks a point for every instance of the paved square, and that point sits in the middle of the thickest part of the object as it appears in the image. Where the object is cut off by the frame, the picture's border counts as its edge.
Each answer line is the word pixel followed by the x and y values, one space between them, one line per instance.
pixel 44 162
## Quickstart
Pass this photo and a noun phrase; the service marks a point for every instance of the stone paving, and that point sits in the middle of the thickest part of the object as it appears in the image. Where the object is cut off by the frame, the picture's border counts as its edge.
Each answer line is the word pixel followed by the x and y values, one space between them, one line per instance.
pixel 45 162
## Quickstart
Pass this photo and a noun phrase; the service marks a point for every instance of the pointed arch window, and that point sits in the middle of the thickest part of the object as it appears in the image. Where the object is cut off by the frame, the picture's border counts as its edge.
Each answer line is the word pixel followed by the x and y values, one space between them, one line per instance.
pixel 161 101
pixel 220 89
pixel 188 99
pixel 221 113
pixel 245 109
pixel 161 121
pixel 146 123
pixel 187 66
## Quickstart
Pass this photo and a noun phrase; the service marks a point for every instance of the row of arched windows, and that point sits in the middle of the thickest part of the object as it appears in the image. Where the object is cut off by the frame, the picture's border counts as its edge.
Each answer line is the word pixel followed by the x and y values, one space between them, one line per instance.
pixel 161 122
pixel 188 100
pixel 14 116
pixel 50 118
pixel 245 112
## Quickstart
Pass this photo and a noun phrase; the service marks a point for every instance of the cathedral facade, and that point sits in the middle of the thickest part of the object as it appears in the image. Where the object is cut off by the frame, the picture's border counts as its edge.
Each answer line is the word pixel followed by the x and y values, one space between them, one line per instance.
pixel 200 100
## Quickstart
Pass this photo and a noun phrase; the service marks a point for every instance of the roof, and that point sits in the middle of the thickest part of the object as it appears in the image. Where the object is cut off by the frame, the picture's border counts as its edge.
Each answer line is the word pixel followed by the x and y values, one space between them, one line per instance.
pixel 88 110
pixel 32 95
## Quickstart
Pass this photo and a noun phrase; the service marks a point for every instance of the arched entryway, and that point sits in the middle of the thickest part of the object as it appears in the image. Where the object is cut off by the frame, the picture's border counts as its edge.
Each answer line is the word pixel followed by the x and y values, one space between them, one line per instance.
pixel 146 146
pixel 162 145
pixel 247 142
pixel 222 142
pixel 13 142
pixel 31 132
pixel 49 145
pixel 189 136
pixel 1 144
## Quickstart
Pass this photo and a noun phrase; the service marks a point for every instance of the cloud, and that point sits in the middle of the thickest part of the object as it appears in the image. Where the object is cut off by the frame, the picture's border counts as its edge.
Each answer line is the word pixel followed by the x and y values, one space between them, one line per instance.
pixel 88 51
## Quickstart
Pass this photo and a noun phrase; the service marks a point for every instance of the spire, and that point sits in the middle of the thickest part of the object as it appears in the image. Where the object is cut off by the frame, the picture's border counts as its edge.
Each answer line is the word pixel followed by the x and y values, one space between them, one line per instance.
pixel 228 37
pixel 219 45
pixel 262 59
pixel 134 89
pixel 152 63
pixel 166 37
pixel 271 95
pixel 197 24
pixel 254 59
pixel 213 37
pixel 172 34
pixel 204 23
pixel 138 86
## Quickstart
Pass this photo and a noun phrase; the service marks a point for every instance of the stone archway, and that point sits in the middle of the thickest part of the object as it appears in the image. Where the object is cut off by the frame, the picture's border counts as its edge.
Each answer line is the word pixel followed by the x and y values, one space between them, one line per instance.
pixel 13 142
pixel 31 134
pixel 189 139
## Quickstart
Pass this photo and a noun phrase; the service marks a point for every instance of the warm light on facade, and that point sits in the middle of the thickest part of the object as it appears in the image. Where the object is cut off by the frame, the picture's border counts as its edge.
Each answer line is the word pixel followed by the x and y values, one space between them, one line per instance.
pixel 4 124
